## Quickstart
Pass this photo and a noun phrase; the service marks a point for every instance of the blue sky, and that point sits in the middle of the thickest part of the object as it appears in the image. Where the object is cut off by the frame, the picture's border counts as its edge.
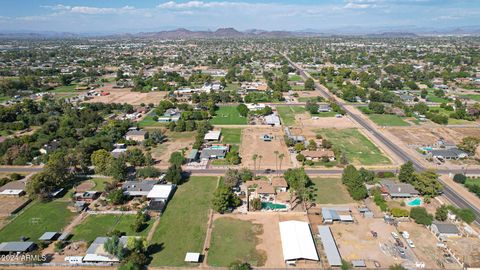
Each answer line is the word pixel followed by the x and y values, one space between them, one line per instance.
pixel 151 15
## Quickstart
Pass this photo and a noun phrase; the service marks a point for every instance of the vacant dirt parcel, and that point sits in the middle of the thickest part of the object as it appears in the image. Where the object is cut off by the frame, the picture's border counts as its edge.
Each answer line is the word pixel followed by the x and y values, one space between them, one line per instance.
pixel 127 96
pixel 252 144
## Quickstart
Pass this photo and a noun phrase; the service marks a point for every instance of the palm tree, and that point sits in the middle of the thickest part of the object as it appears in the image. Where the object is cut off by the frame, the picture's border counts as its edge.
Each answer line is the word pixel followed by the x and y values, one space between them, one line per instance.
pixel 276 157
pixel 254 158
pixel 259 161
pixel 281 156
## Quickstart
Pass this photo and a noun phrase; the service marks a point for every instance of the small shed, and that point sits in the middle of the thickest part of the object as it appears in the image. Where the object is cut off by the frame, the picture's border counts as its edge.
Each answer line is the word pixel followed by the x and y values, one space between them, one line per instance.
pixel 358 263
pixel 192 257
pixel 48 236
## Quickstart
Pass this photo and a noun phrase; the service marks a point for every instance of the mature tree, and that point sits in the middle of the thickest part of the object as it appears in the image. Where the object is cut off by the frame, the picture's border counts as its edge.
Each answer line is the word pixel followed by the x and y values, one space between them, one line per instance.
pixel 224 199
pixel 246 174
pixel 309 84
pixel 355 184
pixel 427 183
pixel 101 159
pixel 116 197
pixel 233 157
pixel 460 178
pixel 421 216
pixel 114 247
pixel 441 213
pixel 243 109
pixel 136 157
pixel 177 159
pixel 174 174
pixel 256 204
pixel 397 267
pixel 312 107
pixel 406 174
pixel 232 178
pixel 469 144
pixel 239 266
pixel 312 145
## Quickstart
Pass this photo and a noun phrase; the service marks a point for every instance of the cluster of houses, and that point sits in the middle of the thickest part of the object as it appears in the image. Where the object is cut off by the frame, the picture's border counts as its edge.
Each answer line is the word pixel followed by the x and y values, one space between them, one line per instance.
pixel 211 149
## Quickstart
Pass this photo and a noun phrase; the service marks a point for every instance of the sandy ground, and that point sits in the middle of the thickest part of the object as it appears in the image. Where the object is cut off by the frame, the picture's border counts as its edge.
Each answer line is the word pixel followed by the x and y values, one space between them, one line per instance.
pixel 252 144
pixel 425 246
pixel 467 249
pixel 162 153
pixel 429 135
pixel 305 120
pixel 270 240
pixel 118 95
pixel 10 204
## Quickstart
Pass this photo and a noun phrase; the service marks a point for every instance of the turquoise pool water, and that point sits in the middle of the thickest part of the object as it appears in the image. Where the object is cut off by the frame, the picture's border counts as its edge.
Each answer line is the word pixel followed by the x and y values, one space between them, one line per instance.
pixel 415 202
pixel 218 147
pixel 427 148
pixel 273 206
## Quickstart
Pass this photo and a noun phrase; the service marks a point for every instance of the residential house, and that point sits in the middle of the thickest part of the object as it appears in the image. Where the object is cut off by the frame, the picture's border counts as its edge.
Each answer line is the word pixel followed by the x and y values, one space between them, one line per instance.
pixel 214 152
pixel 318 155
pixel 324 108
pixel 398 190
pixel 170 115
pixel 332 214
pixel 444 230
pixel 262 189
pixel 47 148
pixel 138 188
pixel 279 184
pixel 448 154
pixel 192 155
pixel 272 120
pixel 136 135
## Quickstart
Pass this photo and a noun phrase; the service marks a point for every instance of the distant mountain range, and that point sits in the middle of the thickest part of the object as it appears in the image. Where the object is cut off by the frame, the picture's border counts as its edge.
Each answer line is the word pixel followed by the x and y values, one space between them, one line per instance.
pixel 183 33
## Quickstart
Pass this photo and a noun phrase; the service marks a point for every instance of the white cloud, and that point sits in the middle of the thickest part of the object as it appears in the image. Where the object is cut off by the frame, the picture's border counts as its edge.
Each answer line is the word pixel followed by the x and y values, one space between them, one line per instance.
pixel 201 4
pixel 91 10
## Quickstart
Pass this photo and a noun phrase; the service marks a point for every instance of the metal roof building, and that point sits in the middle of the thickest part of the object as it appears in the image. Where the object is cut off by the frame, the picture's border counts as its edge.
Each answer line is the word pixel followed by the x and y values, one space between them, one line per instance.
pixel 297 241
pixel 8 247
pixel 329 246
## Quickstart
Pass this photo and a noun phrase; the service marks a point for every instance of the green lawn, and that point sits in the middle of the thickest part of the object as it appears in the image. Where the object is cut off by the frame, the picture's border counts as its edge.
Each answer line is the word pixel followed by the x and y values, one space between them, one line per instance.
pixel 234 240
pixel 474 97
pixel 228 115
pixel 64 88
pixel 358 149
pixel 295 78
pixel 287 114
pixel 231 135
pixel 325 114
pixel 387 120
pixel 331 191
pixel 100 225
pixel 4 98
pixel 298 87
pixel 148 121
pixel 451 121
pixel 433 98
pixel 100 183
pixel 231 87
pixel 183 225
pixel 36 219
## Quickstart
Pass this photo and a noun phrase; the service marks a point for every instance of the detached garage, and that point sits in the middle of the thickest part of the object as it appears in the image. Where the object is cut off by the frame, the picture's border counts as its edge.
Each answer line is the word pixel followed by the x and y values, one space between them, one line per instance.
pixel 297 241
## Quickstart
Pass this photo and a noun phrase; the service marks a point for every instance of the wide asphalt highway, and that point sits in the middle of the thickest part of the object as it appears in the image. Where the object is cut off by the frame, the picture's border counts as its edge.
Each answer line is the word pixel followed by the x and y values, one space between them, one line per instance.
pixel 450 193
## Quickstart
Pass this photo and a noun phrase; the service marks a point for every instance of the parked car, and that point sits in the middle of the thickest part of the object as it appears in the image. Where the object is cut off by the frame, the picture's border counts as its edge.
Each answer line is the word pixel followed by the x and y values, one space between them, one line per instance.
pixel 394 235
pixel 405 235
pixel 410 243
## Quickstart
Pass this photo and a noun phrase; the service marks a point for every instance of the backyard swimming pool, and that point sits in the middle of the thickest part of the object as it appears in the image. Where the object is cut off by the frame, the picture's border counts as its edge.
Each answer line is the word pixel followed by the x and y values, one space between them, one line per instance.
pixel 273 206
pixel 415 202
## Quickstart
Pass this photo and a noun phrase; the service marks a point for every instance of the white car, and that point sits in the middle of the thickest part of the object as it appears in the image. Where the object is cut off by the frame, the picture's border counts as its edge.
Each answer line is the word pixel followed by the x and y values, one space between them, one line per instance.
pixel 410 243
pixel 394 235
pixel 405 235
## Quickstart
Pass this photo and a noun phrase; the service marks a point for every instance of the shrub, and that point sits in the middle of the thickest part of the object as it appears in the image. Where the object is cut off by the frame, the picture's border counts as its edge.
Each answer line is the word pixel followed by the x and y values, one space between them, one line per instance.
pixel 399 212
pixel 459 178
pixel 420 215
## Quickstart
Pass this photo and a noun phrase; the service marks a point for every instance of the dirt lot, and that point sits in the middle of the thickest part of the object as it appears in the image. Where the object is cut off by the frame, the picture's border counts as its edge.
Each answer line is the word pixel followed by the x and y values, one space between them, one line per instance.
pixel 426 249
pixel 175 142
pixel 466 248
pixel 10 204
pixel 252 144
pixel 270 240
pixel 324 122
pixel 127 96
pixel 428 136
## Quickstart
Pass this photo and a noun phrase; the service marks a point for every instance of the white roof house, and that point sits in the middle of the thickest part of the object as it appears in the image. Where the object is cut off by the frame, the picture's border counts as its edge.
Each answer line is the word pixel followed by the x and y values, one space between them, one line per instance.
pixel 213 135
pixel 297 241
pixel 160 192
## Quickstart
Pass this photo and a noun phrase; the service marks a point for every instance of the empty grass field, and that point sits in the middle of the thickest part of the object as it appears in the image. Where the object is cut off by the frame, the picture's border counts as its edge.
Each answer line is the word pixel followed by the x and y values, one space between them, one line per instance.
pixel 100 225
pixel 287 114
pixel 183 225
pixel 231 135
pixel 295 78
pixel 234 240
pixel 330 191
pixel 388 120
pixel 357 148
pixel 228 115
pixel 474 97
pixel 64 88
pixel 36 219
pixel 148 121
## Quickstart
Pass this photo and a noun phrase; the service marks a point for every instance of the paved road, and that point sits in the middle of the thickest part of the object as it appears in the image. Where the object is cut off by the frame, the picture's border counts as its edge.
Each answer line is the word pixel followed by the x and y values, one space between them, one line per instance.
pixel 450 193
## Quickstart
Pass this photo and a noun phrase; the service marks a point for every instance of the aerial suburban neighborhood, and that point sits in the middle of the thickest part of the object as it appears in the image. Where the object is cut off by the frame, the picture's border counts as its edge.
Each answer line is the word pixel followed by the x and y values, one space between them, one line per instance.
pixel 229 149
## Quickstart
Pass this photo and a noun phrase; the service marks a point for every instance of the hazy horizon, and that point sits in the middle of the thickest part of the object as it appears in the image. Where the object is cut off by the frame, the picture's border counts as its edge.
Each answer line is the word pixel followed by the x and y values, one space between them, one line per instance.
pixel 148 15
